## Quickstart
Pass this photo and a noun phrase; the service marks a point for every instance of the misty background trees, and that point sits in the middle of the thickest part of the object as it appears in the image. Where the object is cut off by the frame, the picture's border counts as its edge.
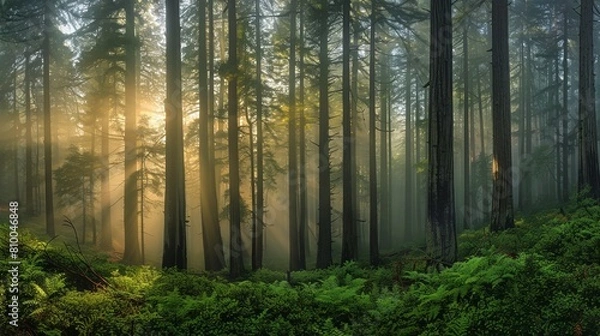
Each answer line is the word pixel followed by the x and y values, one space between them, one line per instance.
pixel 293 134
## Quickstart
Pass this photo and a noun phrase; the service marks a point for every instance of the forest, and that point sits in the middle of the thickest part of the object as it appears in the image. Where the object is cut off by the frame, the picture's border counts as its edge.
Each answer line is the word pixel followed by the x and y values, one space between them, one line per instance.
pixel 299 167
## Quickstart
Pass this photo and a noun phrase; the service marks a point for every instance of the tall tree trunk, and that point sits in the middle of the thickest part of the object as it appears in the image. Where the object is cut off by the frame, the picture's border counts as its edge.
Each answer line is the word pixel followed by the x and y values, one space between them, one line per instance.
pixel 355 169
pixel 525 187
pixel 214 260
pixel 236 264
pixel 502 197
pixel 132 253
pixel 16 137
pixel 349 236
pixel 565 106
pixel 303 195
pixel 292 152
pixel 466 139
pixel 257 230
pixel 589 175
pixel 373 203
pixel 92 179
pixel 324 257
pixel 174 251
pixel 441 222
pixel 409 197
pixel 105 199
pixel 385 225
pixel 29 204
pixel 47 123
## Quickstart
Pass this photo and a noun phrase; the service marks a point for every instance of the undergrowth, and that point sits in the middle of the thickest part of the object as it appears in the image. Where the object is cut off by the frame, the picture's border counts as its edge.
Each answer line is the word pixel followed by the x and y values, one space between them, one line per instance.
pixel 540 278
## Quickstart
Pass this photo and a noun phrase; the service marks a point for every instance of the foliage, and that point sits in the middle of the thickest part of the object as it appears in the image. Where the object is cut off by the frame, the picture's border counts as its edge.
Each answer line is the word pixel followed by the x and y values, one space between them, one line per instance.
pixel 541 278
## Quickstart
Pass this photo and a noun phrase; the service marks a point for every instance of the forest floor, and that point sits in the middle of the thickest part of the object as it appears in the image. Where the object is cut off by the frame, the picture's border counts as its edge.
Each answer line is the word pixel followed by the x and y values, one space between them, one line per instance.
pixel 540 278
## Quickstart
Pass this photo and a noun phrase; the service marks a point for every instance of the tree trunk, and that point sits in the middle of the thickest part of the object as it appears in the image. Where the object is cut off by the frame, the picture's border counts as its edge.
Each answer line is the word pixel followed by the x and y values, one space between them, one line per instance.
pixel 303 207
pixel 466 139
pixel 214 260
pixel 589 175
pixel 373 215
pixel 440 223
pixel 349 237
pixel 384 221
pixel 47 123
pixel 236 264
pixel 409 197
pixel 324 258
pixel 502 197
pixel 174 251
pixel 16 137
pixel 565 106
pixel 132 253
pixel 292 151
pixel 29 206
pixel 257 230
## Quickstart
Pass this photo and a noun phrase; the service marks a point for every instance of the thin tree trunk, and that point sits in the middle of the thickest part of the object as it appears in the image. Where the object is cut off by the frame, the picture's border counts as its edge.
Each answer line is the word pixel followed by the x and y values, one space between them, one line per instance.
pixel 409 197
pixel 132 254
pixel 565 107
pixel 373 203
pixel 29 206
pixel 105 199
pixel 292 151
pixel 466 160
pixel 16 137
pixel 47 123
pixel 385 227
pixel 303 209
pixel 257 236
pixel 349 236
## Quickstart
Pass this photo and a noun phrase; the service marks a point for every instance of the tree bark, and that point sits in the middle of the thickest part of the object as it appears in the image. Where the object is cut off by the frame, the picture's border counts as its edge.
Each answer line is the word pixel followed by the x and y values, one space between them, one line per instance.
pixel 174 251
pixel 565 104
pixel 349 236
pixel 47 123
pixel 257 232
pixel 466 139
pixel 441 222
pixel 29 206
pixel 236 264
pixel 303 189
pixel 373 203
pixel 214 259
pixel 589 175
pixel 502 197
pixel 324 258
pixel 132 254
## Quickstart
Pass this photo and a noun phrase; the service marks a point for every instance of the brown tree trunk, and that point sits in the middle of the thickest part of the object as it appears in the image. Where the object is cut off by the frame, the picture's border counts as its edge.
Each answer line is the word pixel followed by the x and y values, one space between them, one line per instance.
pixel 502 194
pixel 294 242
pixel 589 175
pixel 236 264
pixel 349 236
pixel 132 254
pixel 174 251
pixel 47 123
pixel 257 230
pixel 214 260
pixel 373 215
pixel 324 258
pixel 440 223
pixel 29 204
